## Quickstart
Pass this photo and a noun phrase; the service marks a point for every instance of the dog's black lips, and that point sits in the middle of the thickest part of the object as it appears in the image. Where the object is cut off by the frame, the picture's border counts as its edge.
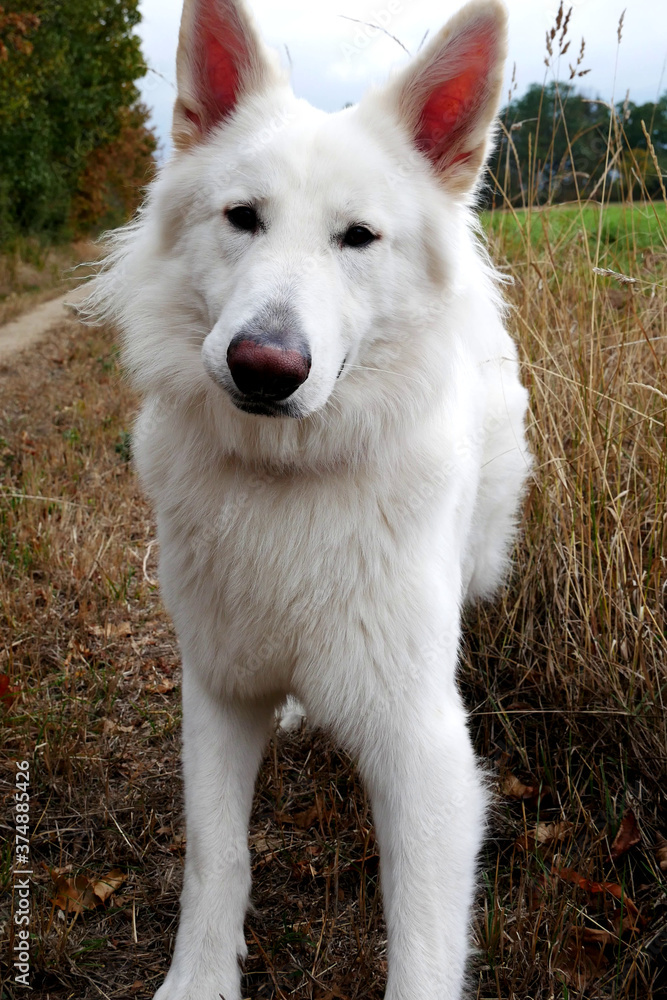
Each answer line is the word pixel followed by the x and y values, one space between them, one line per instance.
pixel 266 409
pixel 341 367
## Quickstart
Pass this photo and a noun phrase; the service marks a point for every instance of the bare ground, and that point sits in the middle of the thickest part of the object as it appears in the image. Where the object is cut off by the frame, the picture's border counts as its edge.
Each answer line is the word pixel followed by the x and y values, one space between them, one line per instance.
pixel 34 274
pixel 30 327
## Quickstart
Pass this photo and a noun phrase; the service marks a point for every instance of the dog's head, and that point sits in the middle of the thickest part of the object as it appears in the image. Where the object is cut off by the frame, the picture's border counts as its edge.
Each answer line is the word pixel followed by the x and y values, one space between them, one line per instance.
pixel 309 245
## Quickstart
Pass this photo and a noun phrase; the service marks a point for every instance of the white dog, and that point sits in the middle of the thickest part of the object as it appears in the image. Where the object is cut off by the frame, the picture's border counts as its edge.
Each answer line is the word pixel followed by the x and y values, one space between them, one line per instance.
pixel 332 436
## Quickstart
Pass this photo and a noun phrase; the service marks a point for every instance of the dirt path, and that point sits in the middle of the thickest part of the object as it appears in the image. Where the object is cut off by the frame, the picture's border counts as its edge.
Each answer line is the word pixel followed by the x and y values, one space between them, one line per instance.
pixel 27 329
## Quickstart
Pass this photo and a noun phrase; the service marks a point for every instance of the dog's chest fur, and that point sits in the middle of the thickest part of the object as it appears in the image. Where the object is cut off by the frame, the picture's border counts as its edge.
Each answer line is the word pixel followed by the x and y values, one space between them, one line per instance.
pixel 263 571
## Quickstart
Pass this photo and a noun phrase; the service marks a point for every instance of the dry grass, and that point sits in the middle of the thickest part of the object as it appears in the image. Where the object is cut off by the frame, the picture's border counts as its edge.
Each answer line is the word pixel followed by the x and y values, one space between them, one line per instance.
pixel 568 673
pixel 566 678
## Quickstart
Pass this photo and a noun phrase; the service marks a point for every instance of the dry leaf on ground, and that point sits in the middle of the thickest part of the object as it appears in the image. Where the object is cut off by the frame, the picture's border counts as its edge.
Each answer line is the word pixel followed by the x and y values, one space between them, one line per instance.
pixel 107 884
pixel 627 836
pixel 307 817
pixel 544 834
pixel 513 788
pixel 162 686
pixel 594 888
pixel 79 892
pixel 8 694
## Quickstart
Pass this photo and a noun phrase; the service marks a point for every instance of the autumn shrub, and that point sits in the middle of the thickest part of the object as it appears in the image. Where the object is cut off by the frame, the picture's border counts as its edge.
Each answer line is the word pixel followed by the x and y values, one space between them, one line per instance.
pixel 68 107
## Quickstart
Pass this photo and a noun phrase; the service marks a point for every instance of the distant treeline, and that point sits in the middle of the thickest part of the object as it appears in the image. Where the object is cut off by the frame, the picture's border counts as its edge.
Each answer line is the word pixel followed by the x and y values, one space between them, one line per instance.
pixel 556 145
pixel 75 147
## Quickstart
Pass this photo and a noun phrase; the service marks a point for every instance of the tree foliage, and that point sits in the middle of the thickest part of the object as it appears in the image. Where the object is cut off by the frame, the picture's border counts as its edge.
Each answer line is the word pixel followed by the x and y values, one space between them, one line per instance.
pixel 14 31
pixel 110 186
pixel 67 104
pixel 556 144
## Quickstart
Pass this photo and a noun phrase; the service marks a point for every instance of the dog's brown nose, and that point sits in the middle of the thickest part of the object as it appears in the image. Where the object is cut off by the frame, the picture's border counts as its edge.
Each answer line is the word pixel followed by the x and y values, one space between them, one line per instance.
pixel 265 370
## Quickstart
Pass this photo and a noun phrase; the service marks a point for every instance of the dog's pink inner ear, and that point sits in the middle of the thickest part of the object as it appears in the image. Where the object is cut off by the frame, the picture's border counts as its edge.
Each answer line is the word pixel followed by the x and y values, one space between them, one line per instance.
pixel 221 56
pixel 451 107
pixel 222 77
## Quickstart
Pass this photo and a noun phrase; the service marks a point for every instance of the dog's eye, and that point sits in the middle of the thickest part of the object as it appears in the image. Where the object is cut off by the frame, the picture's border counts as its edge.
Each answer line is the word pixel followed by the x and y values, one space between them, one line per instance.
pixel 243 217
pixel 358 236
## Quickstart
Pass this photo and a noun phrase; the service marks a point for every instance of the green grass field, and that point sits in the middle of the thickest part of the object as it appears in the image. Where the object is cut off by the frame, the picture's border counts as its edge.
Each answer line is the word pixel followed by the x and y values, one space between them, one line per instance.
pixel 623 231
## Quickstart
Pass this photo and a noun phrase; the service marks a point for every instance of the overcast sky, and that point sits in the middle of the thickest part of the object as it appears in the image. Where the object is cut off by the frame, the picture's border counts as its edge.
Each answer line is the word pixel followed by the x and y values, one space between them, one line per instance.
pixel 334 59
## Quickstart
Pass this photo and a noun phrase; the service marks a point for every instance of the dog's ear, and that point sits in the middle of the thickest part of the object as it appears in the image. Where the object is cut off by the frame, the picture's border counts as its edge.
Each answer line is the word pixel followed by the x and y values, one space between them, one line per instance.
pixel 449 95
pixel 220 58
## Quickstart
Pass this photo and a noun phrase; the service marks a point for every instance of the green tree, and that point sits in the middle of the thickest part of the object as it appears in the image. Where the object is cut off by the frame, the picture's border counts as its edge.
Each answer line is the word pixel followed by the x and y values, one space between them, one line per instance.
pixel 637 162
pixel 553 145
pixel 62 98
pixel 556 145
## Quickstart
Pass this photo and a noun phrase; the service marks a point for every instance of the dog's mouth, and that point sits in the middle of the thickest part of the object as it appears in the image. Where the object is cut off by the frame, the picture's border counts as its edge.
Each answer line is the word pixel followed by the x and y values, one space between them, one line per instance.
pixel 266 408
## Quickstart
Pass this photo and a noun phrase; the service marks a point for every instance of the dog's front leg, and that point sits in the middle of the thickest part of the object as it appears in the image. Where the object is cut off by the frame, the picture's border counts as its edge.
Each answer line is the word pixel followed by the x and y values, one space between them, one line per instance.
pixel 222 749
pixel 428 805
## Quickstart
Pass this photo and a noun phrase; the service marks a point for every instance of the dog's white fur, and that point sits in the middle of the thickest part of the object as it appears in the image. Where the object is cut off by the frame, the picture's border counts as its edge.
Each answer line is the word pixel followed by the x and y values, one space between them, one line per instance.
pixel 326 555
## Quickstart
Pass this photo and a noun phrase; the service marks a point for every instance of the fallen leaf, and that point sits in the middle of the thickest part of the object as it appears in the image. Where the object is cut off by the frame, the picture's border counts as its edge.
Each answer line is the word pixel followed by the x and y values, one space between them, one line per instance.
pixel 513 788
pixel 78 893
pixel 122 901
pixel 595 888
pixel 305 819
pixel 625 922
pixel 580 961
pixel 163 686
pixel 627 836
pixel 547 833
pixel 109 727
pixel 544 834
pixel 597 935
pixel 74 895
pixel 661 851
pixel 8 694
pixel 108 884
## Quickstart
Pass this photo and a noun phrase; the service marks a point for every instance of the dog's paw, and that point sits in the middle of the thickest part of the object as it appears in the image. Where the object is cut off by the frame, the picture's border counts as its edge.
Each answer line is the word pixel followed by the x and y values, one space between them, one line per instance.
pixel 200 986
pixel 291 715
pixel 194 991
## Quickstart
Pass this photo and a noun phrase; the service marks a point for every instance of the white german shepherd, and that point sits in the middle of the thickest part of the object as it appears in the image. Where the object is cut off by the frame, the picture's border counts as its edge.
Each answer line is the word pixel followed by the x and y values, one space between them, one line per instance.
pixel 333 439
